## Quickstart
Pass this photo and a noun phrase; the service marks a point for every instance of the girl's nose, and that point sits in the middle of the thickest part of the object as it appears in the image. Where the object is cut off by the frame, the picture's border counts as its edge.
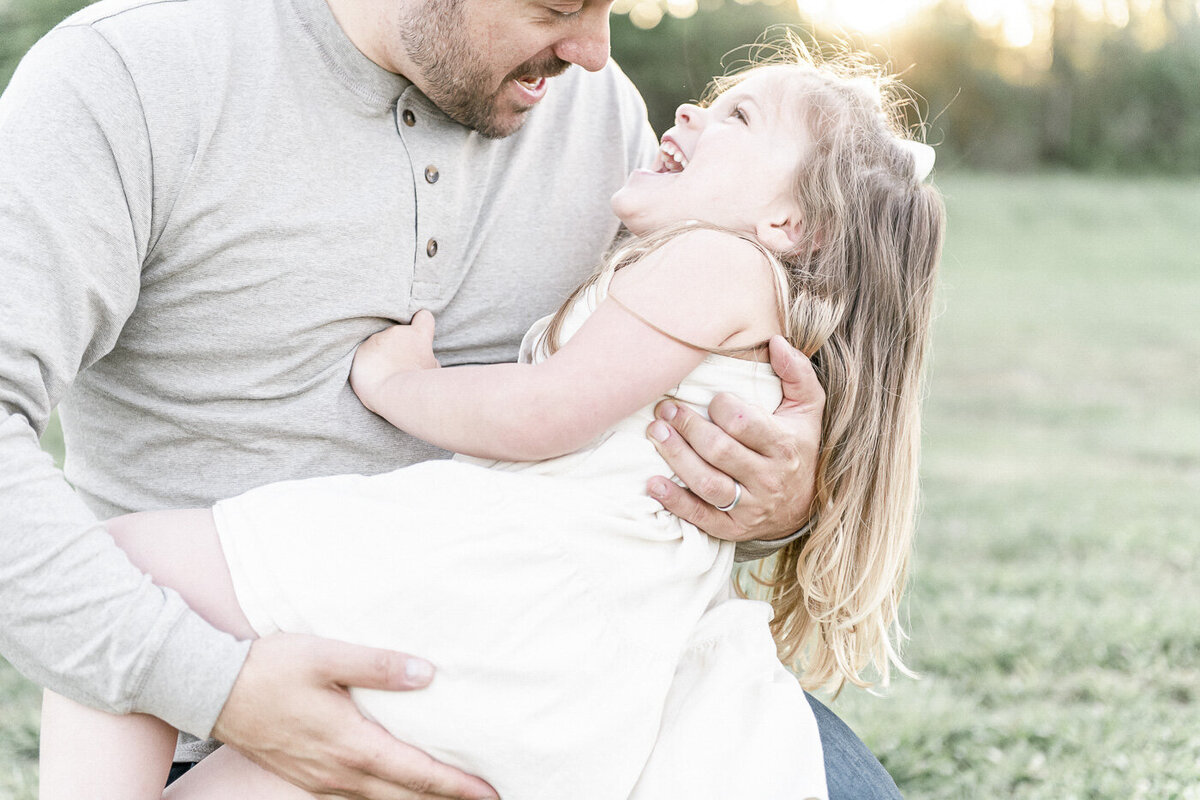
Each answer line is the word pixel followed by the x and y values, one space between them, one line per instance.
pixel 687 114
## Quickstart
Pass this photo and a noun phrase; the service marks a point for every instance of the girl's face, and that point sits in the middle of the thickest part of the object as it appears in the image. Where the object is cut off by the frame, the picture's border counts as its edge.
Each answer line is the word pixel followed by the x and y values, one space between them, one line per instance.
pixel 731 164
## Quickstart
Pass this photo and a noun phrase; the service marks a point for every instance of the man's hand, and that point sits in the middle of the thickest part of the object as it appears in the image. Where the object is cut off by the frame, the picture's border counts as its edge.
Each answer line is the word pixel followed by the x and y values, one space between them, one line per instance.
pixel 773 456
pixel 291 713
pixel 400 348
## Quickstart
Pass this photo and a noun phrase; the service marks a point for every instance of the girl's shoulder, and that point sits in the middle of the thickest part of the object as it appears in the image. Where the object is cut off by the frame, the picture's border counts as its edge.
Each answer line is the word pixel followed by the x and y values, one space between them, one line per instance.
pixel 721 287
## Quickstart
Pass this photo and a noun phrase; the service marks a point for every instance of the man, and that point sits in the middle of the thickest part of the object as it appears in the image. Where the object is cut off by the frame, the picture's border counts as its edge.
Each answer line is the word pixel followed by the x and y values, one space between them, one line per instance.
pixel 207 205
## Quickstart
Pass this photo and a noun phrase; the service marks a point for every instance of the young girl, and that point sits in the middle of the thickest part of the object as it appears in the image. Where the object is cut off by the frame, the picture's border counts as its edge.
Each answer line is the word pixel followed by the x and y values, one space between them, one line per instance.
pixel 589 644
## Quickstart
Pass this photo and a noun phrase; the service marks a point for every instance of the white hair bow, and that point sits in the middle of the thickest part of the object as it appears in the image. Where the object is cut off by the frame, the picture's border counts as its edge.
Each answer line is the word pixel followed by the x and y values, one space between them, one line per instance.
pixel 923 157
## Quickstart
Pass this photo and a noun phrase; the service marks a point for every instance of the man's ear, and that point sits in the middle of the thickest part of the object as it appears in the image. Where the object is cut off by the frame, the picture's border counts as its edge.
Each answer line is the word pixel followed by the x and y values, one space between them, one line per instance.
pixel 781 234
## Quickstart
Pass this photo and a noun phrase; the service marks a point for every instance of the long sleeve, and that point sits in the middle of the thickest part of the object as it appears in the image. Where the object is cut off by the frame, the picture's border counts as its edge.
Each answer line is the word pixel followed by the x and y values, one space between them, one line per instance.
pixel 75 227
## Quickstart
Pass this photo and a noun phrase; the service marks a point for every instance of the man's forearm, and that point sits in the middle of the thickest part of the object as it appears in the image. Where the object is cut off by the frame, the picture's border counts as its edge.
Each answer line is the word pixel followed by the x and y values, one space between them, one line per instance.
pixel 77 617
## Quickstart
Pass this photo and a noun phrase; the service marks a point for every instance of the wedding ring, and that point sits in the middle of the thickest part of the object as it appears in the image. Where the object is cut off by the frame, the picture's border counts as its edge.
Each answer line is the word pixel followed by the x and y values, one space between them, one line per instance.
pixel 737 495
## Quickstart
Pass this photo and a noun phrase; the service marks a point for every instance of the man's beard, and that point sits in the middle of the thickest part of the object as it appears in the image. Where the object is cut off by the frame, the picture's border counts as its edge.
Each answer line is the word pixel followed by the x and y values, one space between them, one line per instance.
pixel 457 81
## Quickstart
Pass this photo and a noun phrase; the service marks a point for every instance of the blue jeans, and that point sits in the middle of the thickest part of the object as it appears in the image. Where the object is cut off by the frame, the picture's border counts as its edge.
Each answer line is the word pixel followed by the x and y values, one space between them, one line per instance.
pixel 851 771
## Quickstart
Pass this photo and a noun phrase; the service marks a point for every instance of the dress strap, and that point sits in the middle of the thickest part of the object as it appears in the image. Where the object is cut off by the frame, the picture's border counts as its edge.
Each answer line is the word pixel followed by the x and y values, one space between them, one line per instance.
pixel 723 351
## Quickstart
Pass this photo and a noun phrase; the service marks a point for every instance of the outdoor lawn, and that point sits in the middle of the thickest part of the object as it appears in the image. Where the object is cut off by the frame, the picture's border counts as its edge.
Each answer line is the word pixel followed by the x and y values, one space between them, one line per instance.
pixel 1057 593
pixel 1056 597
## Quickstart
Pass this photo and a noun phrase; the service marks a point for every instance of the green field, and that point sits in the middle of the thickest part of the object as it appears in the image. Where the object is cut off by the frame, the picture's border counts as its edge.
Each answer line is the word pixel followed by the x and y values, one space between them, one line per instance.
pixel 1055 610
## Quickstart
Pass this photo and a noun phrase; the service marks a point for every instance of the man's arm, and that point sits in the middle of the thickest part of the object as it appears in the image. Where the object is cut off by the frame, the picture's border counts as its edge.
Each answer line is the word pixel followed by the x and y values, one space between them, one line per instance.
pixel 75 615
pixel 74 222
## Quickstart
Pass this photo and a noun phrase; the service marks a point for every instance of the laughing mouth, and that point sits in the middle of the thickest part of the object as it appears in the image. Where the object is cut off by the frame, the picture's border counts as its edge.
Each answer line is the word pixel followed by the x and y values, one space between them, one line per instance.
pixel 673 159
pixel 533 74
pixel 532 83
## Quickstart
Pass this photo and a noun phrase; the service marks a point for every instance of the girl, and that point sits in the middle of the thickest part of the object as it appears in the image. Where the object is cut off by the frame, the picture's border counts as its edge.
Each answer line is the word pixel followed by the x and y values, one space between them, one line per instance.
pixel 618 660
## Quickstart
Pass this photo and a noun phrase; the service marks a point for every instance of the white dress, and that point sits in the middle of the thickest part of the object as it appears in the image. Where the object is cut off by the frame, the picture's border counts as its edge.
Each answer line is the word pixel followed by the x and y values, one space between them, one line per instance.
pixel 587 642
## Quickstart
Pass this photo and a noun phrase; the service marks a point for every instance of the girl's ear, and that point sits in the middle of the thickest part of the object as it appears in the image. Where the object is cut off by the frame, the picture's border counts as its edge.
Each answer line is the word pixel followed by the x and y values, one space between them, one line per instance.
pixel 783 233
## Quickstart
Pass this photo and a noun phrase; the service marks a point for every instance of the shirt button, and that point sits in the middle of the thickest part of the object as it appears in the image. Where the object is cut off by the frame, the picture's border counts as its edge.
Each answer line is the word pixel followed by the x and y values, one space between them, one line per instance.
pixel 409 118
pixel 431 248
pixel 431 174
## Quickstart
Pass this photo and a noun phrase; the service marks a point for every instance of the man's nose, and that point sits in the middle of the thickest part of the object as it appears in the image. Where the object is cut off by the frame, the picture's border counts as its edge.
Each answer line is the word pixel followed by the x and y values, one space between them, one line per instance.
pixel 587 45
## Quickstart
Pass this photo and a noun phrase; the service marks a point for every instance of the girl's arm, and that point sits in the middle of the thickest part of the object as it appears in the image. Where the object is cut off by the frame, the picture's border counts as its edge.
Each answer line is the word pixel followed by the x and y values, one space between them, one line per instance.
pixel 706 288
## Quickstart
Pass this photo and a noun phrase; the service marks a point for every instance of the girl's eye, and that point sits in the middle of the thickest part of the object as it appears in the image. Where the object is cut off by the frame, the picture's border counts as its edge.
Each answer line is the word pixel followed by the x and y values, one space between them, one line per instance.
pixel 567 12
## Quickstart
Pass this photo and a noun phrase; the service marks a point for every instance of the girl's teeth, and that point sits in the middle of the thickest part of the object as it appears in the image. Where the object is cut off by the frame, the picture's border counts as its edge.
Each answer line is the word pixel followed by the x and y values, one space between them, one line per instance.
pixel 673 159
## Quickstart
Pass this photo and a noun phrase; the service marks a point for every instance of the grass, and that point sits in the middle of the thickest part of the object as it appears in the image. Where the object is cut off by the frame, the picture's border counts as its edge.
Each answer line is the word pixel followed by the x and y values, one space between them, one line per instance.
pixel 1054 603
pixel 1054 606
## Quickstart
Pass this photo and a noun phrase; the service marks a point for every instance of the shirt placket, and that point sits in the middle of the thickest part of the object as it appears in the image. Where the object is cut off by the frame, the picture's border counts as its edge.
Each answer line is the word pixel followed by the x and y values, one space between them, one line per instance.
pixel 432 141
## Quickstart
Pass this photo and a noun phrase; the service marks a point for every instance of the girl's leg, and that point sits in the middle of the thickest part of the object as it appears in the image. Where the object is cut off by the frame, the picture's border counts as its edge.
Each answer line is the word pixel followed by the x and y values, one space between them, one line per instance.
pixel 180 550
pixel 228 775
pixel 86 753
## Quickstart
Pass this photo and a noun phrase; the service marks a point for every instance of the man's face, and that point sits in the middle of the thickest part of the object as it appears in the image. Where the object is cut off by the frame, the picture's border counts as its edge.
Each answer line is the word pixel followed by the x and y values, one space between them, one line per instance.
pixel 486 62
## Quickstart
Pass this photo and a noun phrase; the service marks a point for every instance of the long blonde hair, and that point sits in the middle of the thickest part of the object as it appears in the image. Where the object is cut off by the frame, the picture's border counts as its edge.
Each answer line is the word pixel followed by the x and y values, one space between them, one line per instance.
pixel 859 302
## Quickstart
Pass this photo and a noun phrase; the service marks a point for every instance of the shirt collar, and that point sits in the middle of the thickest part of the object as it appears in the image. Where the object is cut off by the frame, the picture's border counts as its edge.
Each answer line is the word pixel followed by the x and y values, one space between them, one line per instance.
pixel 359 74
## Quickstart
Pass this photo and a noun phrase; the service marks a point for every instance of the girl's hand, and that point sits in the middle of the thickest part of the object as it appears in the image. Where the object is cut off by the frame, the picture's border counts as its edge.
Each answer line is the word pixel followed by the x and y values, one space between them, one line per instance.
pixel 392 351
pixel 773 457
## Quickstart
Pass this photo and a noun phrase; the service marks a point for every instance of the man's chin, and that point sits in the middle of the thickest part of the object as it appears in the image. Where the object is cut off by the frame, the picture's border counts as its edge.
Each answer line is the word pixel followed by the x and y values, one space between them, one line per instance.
pixel 499 125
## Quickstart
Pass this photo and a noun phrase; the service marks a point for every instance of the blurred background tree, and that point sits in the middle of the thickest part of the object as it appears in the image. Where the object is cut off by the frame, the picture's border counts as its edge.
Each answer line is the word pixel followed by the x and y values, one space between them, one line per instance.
pixel 22 22
pixel 1007 84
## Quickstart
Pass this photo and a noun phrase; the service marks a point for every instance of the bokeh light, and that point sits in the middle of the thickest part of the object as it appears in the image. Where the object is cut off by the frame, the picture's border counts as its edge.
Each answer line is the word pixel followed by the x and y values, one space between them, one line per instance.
pixel 1017 23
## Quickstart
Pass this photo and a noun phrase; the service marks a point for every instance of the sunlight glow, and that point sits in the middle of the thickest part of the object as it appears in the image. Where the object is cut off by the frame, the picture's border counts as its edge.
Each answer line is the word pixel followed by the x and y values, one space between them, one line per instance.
pixel 867 16
pixel 1013 20
pixel 682 9
pixel 1019 23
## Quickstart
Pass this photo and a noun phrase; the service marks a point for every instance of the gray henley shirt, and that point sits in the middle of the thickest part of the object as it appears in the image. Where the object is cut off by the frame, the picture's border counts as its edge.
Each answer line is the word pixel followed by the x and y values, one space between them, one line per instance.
pixel 205 205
